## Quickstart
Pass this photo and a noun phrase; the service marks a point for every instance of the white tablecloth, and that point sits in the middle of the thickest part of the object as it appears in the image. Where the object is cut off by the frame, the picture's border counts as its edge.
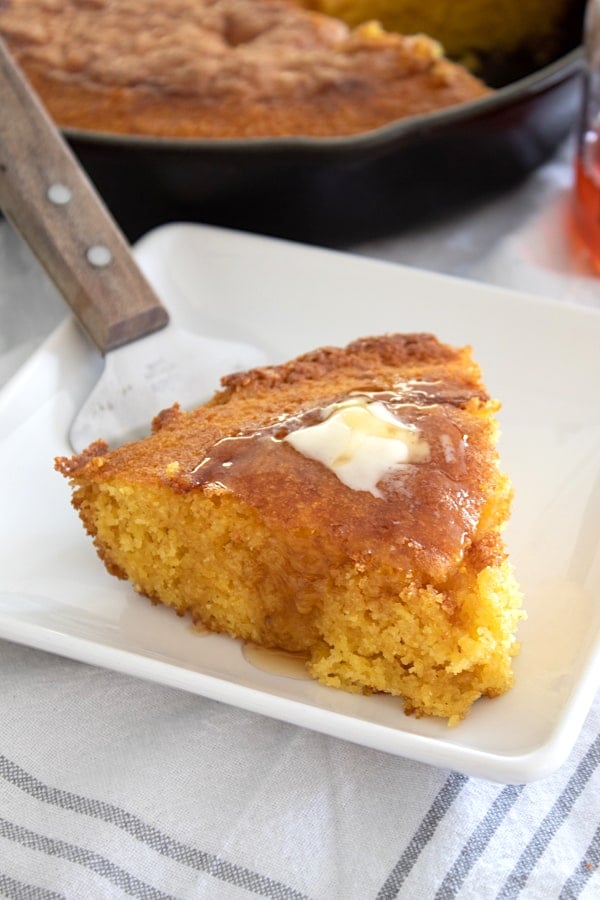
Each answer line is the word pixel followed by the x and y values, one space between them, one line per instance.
pixel 113 787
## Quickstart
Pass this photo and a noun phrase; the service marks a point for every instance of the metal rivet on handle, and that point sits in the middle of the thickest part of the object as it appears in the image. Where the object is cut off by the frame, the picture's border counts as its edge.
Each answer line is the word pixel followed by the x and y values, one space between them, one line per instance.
pixel 98 256
pixel 59 194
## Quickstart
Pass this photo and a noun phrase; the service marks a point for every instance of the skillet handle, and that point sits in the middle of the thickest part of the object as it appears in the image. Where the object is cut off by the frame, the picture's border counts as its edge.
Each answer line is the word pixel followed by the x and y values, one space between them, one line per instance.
pixel 51 202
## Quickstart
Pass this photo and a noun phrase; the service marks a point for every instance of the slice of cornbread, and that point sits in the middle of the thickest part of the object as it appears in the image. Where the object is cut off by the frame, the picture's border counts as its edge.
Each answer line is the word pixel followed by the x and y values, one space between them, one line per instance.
pixel 347 505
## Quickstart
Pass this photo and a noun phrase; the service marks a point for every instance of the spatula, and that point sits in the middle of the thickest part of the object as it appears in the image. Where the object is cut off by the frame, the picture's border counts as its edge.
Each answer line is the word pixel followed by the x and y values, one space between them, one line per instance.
pixel 149 362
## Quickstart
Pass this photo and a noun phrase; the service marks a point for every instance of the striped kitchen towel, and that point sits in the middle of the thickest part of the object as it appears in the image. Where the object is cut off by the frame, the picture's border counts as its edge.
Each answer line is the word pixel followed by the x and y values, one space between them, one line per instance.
pixel 112 787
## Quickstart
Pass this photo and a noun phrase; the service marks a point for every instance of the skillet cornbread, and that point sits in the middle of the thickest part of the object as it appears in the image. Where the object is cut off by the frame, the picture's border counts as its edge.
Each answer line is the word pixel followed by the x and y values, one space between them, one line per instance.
pixel 224 68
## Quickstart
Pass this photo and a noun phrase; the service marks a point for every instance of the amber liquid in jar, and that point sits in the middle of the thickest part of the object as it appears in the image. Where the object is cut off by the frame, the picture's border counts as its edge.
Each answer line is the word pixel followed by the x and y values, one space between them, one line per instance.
pixel 587 193
pixel 587 162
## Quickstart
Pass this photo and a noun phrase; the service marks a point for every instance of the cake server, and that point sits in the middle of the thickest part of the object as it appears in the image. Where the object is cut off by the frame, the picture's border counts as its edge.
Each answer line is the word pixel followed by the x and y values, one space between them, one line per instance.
pixel 149 362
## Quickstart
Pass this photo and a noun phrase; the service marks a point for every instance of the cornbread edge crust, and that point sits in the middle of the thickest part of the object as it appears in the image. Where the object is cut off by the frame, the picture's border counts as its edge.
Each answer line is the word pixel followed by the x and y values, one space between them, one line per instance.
pixel 408 593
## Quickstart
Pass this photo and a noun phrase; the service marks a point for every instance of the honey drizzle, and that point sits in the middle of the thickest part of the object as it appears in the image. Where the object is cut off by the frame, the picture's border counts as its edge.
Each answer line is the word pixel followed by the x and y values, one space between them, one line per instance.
pixel 276 661
pixel 410 396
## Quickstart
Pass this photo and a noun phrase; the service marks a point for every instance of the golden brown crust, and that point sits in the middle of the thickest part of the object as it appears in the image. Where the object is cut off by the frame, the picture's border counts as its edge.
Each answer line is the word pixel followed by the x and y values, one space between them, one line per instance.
pixel 371 355
pixel 68 465
pixel 223 68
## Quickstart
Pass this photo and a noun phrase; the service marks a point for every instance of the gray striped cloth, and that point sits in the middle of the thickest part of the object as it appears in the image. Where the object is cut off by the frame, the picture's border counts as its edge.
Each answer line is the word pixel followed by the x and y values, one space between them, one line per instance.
pixel 112 787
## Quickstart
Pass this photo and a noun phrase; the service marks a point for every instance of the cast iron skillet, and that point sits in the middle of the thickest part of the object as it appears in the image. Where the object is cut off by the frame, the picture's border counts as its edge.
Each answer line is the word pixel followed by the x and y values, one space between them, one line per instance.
pixel 338 191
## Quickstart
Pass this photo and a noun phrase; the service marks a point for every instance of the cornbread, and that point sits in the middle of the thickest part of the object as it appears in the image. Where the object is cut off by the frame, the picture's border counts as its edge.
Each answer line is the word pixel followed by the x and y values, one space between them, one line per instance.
pixel 224 68
pixel 347 505
pixel 470 29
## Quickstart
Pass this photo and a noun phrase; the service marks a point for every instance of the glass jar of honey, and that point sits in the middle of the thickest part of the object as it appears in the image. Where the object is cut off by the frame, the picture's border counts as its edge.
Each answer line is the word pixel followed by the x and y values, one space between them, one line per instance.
pixel 587 160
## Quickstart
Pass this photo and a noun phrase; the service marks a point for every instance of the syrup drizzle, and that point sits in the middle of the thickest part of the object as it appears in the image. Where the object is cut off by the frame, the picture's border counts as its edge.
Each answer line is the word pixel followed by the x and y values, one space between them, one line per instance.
pixel 436 503
pixel 407 398
pixel 276 662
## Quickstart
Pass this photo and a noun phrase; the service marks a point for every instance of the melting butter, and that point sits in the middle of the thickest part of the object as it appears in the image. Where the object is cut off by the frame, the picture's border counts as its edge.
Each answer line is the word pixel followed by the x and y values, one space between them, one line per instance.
pixel 360 442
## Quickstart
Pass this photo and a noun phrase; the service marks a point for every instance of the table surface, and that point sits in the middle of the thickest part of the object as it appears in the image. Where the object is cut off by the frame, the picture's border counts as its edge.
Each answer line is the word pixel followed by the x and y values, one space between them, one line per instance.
pixel 114 787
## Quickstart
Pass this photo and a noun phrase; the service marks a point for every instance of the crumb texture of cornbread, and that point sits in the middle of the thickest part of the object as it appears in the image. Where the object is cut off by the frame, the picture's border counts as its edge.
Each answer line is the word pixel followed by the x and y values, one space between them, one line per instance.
pixel 468 28
pixel 404 589
pixel 224 68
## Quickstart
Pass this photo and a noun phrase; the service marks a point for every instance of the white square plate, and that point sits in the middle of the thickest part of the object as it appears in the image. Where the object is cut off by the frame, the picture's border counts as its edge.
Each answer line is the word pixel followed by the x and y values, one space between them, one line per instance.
pixel 542 359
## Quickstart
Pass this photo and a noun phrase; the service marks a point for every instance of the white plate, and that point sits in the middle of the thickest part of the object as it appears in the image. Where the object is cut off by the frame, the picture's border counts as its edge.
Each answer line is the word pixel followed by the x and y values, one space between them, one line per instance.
pixel 541 358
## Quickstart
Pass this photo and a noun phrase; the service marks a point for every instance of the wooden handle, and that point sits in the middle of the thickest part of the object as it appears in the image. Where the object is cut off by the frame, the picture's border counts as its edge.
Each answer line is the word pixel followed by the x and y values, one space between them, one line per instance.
pixel 51 202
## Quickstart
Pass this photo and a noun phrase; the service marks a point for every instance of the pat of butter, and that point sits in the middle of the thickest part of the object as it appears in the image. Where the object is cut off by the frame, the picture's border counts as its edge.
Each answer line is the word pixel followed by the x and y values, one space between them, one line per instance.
pixel 361 443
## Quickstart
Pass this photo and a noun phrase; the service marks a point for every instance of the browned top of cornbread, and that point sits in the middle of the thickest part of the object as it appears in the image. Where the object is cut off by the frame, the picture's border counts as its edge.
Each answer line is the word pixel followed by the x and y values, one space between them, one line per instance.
pixel 429 512
pixel 223 68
